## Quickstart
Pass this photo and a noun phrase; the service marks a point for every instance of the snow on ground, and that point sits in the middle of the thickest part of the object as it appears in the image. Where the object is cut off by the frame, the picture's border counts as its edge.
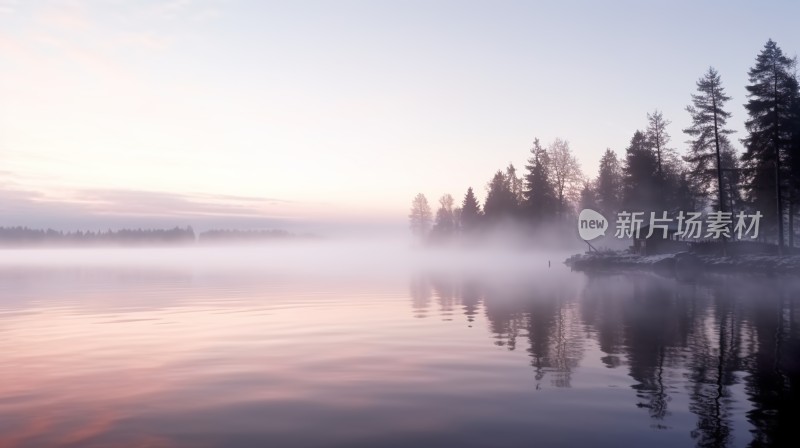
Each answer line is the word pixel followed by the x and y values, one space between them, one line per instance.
pixel 756 264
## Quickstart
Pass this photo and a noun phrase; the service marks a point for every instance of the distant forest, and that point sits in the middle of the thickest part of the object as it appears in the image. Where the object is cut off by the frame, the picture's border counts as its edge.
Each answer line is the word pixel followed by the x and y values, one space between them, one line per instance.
pixel 247 235
pixel 24 236
pixel 710 174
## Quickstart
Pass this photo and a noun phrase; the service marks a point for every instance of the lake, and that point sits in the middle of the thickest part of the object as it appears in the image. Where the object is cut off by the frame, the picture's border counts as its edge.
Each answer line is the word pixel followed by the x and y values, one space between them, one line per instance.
pixel 357 347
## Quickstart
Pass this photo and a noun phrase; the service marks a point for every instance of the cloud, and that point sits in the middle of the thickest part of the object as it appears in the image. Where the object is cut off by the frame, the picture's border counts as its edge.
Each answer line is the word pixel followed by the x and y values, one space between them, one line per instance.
pixel 89 208
pixel 148 203
pixel 100 209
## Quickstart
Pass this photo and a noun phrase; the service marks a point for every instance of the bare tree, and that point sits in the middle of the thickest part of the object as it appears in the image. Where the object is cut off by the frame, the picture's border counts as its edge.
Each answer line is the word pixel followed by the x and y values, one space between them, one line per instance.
pixel 446 202
pixel 420 217
pixel 565 173
pixel 445 217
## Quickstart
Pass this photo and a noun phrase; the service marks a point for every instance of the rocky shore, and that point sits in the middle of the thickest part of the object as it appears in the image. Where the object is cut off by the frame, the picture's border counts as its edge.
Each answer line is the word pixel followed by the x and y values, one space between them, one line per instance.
pixel 685 263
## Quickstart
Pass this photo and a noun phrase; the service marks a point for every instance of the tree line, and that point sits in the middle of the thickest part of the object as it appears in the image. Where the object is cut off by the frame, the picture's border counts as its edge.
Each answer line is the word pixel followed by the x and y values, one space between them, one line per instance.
pixel 250 235
pixel 25 236
pixel 710 173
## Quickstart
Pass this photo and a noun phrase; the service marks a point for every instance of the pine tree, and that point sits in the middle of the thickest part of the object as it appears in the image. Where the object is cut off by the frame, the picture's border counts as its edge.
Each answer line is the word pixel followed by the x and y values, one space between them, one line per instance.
pixel 686 197
pixel 515 183
pixel 609 184
pixel 731 179
pixel 793 161
pixel 772 108
pixel 500 200
pixel 470 212
pixel 658 138
pixel 708 136
pixel 420 216
pixel 588 196
pixel 639 176
pixel 539 195
pixel 668 163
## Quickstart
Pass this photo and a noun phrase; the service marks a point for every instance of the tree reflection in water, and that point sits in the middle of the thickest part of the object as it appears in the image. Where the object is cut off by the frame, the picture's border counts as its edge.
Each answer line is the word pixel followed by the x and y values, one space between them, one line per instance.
pixel 727 343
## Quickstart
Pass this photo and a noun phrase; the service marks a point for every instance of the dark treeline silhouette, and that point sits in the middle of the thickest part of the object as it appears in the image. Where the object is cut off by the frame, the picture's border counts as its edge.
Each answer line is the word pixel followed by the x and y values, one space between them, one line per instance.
pixel 652 176
pixel 24 236
pixel 709 341
pixel 217 235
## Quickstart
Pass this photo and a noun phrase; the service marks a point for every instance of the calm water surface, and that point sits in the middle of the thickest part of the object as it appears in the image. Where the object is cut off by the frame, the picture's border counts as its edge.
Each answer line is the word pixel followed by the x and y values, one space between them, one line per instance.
pixel 258 351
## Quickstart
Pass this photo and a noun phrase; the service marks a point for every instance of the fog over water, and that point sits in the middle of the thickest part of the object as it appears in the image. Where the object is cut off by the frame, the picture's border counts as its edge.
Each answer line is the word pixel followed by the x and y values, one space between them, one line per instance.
pixel 377 343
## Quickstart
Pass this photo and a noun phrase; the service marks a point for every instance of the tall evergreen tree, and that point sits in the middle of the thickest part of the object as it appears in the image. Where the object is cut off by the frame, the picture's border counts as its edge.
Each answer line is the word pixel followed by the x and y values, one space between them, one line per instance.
pixel 515 182
pixel 686 197
pixel 539 195
pixel 658 138
pixel 457 219
pixel 588 196
pixel 668 164
pixel 470 212
pixel 500 200
pixel 731 178
pixel 609 184
pixel 793 162
pixel 640 187
pixel 708 135
pixel 772 109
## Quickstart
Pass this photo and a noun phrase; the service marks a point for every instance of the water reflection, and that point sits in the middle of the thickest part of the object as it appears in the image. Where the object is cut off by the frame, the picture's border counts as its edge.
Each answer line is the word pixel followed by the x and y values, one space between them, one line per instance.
pixel 726 349
pixel 127 356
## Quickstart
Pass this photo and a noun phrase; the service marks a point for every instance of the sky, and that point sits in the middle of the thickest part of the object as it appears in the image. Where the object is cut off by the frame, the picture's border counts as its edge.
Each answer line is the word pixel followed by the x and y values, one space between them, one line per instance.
pixel 272 114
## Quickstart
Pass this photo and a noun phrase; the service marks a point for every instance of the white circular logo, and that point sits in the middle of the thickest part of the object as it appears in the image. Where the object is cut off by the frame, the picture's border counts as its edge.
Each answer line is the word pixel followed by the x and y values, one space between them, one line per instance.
pixel 591 224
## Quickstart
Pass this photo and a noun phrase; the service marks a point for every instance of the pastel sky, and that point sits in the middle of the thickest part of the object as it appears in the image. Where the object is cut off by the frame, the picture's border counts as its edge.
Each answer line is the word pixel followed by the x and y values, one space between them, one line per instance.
pixel 211 112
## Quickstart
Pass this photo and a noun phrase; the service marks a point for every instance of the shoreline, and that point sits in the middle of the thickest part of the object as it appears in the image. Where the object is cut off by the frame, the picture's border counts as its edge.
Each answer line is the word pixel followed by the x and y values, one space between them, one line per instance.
pixel 685 264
